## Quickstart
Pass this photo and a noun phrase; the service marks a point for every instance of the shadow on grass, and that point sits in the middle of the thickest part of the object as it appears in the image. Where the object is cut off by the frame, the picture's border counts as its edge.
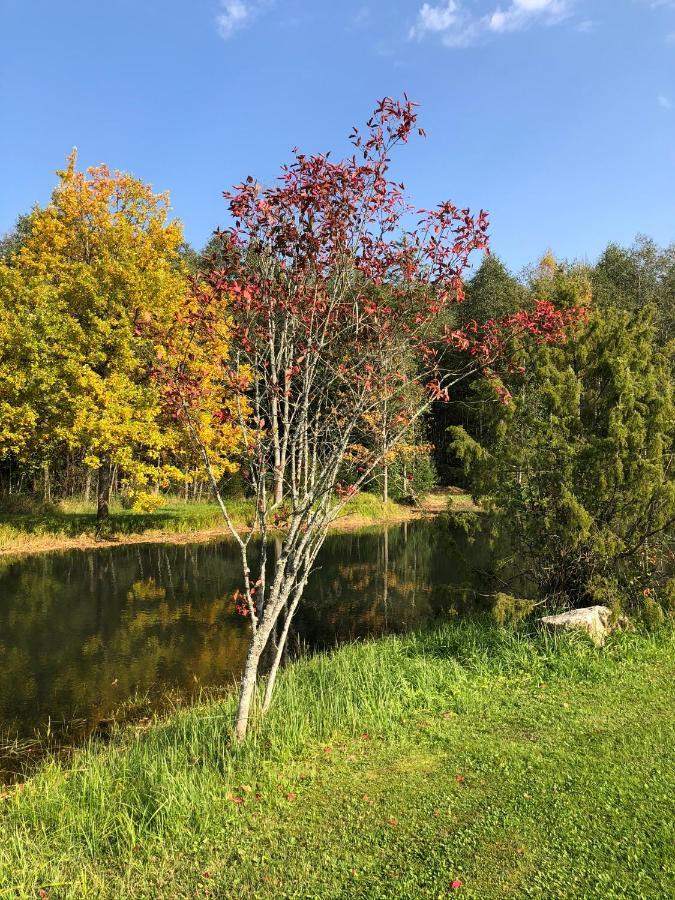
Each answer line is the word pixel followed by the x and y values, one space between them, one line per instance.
pixel 64 523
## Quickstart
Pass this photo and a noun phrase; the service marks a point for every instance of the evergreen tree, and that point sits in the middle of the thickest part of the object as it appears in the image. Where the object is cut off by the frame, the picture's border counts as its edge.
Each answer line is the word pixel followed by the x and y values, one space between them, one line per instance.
pixel 635 277
pixel 577 466
pixel 492 293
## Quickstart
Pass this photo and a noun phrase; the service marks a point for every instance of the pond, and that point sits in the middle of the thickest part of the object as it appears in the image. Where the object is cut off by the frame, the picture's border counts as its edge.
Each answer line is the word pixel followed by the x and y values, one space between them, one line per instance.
pixel 82 632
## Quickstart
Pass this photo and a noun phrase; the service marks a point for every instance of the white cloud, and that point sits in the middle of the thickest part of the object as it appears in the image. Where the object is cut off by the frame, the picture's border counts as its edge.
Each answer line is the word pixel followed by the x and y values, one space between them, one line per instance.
pixel 458 26
pixel 435 18
pixel 234 15
pixel 522 12
pixel 664 102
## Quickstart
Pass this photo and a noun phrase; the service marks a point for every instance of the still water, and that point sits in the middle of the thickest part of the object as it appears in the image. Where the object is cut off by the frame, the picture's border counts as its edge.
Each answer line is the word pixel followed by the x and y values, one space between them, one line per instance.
pixel 83 631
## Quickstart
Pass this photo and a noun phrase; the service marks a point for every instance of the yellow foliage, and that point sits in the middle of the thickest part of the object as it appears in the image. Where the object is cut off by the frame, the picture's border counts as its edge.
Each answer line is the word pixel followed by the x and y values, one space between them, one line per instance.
pixel 100 273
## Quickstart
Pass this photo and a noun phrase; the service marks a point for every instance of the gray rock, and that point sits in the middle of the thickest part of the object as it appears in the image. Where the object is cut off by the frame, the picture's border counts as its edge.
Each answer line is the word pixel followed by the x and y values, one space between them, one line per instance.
pixel 594 620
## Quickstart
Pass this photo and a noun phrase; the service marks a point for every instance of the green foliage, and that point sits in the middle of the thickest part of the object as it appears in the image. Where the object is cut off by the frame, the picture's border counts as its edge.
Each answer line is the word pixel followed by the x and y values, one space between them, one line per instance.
pixel 637 277
pixel 492 293
pixel 577 467
pixel 412 477
pixel 652 615
pixel 509 610
pixel 13 241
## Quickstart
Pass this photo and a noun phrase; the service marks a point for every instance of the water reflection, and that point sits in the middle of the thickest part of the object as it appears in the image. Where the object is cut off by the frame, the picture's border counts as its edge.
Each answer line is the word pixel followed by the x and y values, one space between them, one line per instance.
pixel 82 631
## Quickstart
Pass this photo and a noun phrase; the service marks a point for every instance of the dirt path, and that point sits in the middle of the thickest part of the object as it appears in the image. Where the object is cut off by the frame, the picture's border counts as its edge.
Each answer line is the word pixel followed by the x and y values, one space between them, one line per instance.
pixel 432 505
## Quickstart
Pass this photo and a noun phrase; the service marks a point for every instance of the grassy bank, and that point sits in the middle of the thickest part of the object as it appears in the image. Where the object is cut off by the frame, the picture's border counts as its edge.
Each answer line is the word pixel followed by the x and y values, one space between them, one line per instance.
pixel 522 766
pixel 69 525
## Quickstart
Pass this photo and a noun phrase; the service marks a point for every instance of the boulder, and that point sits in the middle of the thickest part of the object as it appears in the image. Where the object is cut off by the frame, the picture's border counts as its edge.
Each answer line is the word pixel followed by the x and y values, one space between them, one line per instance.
pixel 594 620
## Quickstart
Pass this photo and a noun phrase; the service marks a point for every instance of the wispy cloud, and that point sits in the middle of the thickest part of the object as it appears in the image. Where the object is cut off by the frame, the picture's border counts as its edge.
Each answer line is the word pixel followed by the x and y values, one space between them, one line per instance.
pixel 522 13
pixel 664 102
pixel 457 25
pixel 436 18
pixel 585 26
pixel 233 16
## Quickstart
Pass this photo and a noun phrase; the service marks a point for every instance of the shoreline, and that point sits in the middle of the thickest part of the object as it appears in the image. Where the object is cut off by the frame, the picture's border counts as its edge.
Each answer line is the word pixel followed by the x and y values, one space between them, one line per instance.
pixel 434 504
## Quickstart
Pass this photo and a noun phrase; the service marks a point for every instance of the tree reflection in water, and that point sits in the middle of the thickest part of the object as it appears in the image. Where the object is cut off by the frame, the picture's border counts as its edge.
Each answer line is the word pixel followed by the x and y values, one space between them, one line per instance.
pixel 81 632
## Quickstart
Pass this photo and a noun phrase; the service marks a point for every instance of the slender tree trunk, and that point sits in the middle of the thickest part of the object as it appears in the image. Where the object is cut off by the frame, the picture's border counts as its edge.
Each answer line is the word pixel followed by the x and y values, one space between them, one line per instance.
pixel 87 485
pixel 272 677
pixel 385 481
pixel 103 496
pixel 46 485
pixel 247 688
pixel 278 488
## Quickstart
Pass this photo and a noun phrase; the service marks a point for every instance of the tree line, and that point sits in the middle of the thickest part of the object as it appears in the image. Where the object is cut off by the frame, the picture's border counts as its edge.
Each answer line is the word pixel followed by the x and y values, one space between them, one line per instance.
pixel 80 415
pixel 321 346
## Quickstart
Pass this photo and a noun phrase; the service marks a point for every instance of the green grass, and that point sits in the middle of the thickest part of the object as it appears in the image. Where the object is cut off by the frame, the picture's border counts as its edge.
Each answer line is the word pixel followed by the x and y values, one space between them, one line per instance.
pixel 75 519
pixel 522 765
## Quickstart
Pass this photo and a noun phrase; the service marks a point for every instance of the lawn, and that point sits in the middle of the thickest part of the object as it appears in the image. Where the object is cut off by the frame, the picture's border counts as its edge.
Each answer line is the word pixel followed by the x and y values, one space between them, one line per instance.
pixel 513 763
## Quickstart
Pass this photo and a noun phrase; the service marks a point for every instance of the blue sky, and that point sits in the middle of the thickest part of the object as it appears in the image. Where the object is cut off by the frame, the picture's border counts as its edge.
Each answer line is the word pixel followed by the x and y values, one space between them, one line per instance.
pixel 558 116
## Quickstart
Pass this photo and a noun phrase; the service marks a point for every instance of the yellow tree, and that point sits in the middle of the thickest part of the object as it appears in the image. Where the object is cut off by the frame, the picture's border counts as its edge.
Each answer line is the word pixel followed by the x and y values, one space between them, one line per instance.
pixel 104 257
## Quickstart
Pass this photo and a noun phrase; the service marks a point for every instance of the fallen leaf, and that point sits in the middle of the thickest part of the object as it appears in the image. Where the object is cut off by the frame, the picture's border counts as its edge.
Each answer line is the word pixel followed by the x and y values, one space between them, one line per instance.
pixel 460 779
pixel 290 796
pixel 365 736
pixel 235 798
pixel 246 788
pixel 456 884
pixel 437 812
pixel 393 822
pixel 327 749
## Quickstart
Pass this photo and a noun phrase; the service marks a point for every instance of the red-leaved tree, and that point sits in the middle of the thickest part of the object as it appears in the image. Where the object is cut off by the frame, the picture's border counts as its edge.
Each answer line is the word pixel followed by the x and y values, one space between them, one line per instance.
pixel 328 292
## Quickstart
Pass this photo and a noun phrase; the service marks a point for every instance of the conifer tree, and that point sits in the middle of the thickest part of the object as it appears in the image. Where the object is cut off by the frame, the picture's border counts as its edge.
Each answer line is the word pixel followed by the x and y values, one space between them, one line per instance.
pixel 577 467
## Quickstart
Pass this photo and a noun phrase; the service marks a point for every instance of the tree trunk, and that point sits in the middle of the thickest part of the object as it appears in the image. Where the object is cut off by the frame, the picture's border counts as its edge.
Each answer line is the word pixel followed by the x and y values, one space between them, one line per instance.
pixel 47 495
pixel 248 685
pixel 103 496
pixel 272 677
pixel 385 481
pixel 278 488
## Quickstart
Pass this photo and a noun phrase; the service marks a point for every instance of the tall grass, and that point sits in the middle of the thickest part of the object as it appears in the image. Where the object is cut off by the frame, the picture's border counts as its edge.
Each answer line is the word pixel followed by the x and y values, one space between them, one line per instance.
pixel 173 784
